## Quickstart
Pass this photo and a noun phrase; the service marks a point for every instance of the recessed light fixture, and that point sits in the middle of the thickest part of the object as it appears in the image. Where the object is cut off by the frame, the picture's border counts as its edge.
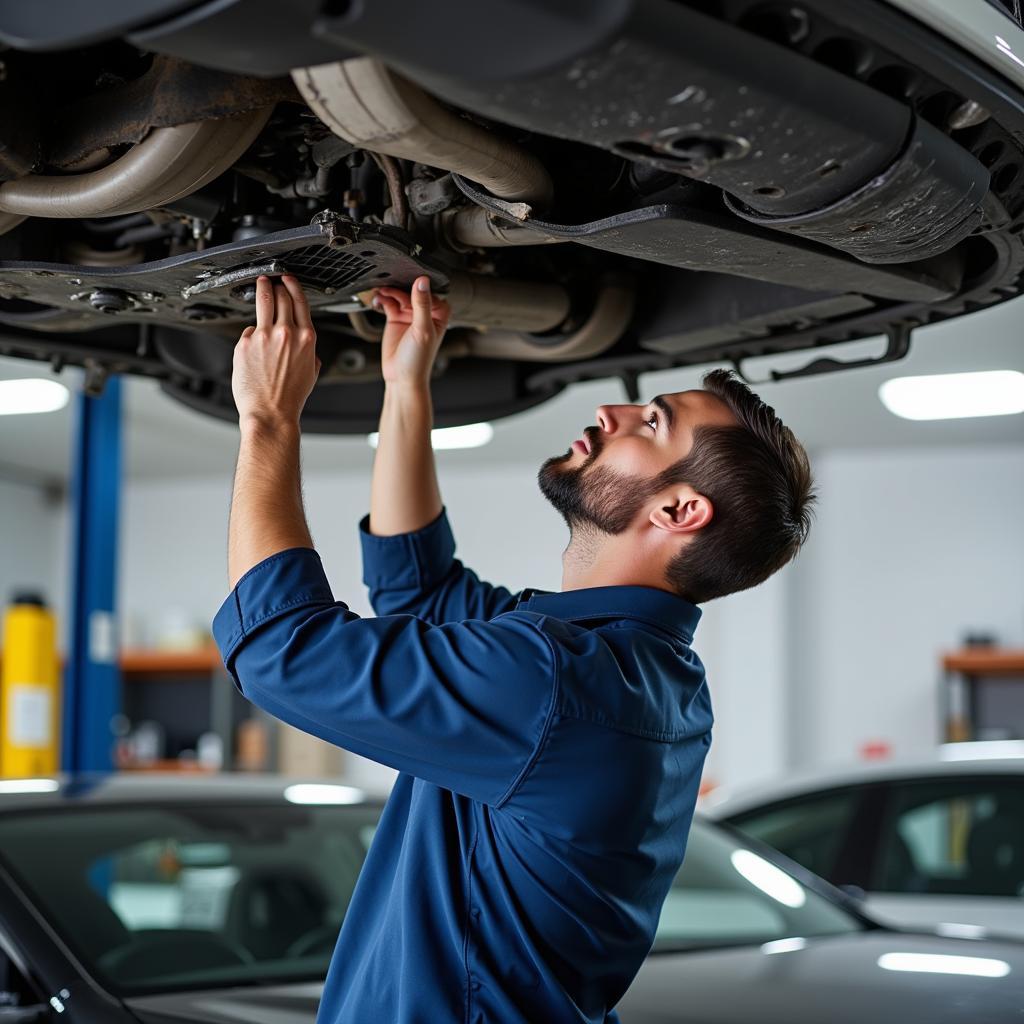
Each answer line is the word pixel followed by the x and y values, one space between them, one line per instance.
pixel 471 435
pixel 31 394
pixel 950 396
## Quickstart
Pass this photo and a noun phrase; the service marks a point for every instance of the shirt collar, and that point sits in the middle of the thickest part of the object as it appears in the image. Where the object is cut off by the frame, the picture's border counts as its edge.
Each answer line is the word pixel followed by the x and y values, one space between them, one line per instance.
pixel 648 604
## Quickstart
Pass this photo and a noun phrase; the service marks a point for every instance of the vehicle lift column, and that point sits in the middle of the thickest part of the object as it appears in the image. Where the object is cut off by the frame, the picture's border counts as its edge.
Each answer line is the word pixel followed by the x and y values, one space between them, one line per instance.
pixel 92 679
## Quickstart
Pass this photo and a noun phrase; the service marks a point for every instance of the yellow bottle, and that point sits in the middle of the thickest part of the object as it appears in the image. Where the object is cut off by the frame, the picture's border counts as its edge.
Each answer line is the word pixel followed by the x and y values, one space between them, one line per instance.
pixel 29 690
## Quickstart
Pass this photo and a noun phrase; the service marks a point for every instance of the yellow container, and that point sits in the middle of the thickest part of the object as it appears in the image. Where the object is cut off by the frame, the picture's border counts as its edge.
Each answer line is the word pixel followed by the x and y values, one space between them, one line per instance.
pixel 29 691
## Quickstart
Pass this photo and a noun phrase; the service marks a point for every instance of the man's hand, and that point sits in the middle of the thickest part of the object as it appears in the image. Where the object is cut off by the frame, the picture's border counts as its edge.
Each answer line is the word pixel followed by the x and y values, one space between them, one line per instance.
pixel 403 493
pixel 412 336
pixel 275 363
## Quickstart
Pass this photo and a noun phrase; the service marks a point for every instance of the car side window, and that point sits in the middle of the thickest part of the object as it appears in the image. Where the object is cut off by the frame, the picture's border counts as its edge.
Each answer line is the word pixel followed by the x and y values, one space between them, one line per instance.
pixel 961 837
pixel 809 830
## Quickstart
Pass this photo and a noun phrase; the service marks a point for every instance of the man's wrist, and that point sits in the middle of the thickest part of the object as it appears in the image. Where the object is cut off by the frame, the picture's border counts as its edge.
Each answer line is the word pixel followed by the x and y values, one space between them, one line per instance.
pixel 268 424
pixel 410 391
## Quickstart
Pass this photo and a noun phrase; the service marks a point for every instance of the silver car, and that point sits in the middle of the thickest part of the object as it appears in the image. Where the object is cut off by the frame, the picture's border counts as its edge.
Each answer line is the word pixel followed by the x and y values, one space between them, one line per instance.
pixel 937 843
pixel 220 900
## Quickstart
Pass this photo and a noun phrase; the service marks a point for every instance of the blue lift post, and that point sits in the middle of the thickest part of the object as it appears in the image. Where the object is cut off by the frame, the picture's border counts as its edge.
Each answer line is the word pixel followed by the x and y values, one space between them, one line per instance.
pixel 92 676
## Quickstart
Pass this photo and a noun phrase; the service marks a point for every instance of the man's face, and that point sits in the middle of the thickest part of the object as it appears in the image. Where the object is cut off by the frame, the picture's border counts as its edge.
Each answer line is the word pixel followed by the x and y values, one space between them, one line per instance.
pixel 607 477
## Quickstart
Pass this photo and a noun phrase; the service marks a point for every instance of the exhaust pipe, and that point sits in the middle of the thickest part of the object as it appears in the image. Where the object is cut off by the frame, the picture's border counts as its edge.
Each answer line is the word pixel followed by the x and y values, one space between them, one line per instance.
pixel 166 165
pixel 368 105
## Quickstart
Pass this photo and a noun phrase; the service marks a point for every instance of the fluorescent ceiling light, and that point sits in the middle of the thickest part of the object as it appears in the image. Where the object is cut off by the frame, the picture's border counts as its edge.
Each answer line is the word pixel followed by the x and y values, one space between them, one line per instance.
pixel 944 963
pixel 322 793
pixel 471 435
pixel 951 396
pixel 29 785
pixel 31 394
pixel 772 881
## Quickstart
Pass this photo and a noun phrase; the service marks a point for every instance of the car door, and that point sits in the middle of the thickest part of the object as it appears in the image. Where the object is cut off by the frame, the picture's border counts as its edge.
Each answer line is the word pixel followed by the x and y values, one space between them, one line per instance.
pixel 951 852
pixel 829 832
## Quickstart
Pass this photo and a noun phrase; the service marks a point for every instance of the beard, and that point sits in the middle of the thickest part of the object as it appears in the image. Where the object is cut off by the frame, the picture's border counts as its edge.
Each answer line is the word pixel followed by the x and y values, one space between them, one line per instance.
pixel 593 497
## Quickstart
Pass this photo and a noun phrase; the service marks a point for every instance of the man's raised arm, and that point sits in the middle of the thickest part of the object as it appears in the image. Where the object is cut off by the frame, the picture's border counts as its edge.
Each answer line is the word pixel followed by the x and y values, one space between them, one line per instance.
pixel 408 551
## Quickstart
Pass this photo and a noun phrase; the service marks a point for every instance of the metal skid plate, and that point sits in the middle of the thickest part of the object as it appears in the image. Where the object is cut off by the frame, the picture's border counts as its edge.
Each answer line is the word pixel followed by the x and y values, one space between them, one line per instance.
pixel 333 258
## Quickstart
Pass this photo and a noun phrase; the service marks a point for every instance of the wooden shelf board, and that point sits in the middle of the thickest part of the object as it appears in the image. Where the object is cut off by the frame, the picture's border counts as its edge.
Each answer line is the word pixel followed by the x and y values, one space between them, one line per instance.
pixel 140 661
pixel 186 767
pixel 205 660
pixel 985 661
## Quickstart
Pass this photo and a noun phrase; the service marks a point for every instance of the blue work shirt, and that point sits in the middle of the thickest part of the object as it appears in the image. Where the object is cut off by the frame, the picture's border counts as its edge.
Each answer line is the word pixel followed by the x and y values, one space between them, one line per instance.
pixel 549 747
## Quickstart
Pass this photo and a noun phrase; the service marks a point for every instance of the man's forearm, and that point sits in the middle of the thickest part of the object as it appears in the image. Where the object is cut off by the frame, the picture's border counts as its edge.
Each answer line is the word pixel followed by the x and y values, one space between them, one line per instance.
pixel 404 495
pixel 266 506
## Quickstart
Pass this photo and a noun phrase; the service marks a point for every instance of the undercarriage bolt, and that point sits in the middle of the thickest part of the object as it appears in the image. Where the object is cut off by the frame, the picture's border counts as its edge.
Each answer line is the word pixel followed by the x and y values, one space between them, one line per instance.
pixel 109 300
pixel 967 115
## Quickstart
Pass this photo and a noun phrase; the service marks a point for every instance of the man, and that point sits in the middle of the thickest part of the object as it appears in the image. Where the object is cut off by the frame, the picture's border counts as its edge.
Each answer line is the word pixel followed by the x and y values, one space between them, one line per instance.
pixel 549 745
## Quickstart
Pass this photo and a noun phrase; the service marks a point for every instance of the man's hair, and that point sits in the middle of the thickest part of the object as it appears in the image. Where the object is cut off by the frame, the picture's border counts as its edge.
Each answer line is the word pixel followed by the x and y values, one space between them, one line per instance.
pixel 758 479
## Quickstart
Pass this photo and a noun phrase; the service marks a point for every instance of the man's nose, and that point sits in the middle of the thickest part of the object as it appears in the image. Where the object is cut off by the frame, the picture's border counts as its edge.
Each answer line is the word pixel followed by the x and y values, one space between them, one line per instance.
pixel 611 417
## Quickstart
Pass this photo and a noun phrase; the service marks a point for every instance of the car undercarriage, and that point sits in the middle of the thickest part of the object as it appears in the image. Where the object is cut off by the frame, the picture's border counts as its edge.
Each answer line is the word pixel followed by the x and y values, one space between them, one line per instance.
pixel 598 190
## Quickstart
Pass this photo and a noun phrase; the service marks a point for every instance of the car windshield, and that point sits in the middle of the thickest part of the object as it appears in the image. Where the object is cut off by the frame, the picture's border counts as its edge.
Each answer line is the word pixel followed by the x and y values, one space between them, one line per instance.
pixel 727 894
pixel 159 898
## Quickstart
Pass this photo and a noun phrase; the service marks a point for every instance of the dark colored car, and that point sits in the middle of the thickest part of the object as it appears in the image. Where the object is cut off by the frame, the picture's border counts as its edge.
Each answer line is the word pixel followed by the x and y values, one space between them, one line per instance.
pixel 600 189
pixel 220 900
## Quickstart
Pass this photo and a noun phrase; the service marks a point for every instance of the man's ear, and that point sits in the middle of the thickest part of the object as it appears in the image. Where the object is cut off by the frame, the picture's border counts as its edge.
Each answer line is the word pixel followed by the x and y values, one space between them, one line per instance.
pixel 683 512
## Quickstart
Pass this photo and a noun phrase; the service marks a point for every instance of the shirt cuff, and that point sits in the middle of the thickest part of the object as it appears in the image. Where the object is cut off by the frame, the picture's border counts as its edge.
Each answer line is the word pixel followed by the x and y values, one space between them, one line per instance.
pixel 416 559
pixel 284 581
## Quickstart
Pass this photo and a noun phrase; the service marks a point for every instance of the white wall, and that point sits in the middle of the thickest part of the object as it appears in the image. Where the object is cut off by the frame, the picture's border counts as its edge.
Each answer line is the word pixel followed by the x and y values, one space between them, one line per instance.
pixel 911 549
pixel 31 543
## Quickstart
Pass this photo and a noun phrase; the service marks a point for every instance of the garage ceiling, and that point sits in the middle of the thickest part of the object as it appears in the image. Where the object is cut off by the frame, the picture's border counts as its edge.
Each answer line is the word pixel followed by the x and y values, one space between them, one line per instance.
pixel 842 410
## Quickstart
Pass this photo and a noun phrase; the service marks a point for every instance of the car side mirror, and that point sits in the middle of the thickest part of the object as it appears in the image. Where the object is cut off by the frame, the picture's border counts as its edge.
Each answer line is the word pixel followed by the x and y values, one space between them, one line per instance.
pixel 24 1014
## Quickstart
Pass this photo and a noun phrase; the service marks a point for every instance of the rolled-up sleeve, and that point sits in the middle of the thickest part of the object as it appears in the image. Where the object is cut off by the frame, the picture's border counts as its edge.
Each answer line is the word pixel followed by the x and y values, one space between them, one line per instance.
pixel 465 705
pixel 418 574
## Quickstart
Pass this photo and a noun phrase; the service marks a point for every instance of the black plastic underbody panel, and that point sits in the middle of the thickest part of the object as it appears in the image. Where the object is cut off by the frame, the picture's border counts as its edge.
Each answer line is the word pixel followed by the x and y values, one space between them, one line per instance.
pixel 332 258
pixel 64 24
pixel 697 239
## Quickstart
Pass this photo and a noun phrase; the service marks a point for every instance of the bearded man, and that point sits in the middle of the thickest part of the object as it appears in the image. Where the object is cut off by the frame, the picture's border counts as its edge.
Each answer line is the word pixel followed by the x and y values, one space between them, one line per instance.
pixel 549 745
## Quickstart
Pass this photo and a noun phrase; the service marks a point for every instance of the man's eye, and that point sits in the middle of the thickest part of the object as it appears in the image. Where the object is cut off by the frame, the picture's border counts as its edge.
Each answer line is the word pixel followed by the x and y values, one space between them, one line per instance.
pixel 652 421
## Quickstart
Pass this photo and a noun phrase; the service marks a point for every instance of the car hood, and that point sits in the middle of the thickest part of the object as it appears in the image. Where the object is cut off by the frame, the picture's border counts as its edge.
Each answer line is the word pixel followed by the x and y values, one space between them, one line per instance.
pixel 271 1004
pixel 839 979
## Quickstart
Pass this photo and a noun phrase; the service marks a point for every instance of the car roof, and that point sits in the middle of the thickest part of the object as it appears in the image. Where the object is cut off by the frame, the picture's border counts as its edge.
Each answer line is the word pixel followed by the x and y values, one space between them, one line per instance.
pixel 158 787
pixel 726 801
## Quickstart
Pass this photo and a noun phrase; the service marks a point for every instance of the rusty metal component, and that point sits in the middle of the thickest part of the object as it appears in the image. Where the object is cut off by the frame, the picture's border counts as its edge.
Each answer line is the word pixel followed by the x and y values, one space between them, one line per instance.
pixel 473 227
pixel 532 306
pixel 606 323
pixel 398 212
pixel 363 328
pixel 170 93
pixel 370 106
pixel 168 164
